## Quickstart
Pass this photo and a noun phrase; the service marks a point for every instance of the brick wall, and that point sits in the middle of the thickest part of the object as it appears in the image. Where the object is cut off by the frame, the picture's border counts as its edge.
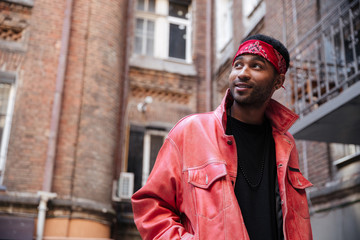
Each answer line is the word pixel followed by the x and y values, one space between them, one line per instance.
pixel 273 20
pixel 72 99
pixel 35 92
pixel 200 52
pixel 87 144
pixel 174 96
pixel 97 131
pixel 318 161
pixel 238 32
pixel 301 16
pixel 88 131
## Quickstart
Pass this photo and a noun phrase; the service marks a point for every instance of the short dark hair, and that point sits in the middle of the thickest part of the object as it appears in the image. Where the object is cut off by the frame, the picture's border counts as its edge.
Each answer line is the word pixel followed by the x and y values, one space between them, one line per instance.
pixel 274 43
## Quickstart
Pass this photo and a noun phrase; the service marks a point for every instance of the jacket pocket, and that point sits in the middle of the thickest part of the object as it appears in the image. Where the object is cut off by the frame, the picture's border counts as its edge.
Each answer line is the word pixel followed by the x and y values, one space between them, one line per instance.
pixel 210 188
pixel 297 180
pixel 296 192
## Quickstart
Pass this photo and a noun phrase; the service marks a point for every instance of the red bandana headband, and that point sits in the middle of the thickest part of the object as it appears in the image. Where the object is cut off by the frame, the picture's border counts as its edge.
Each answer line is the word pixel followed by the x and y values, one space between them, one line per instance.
pixel 264 50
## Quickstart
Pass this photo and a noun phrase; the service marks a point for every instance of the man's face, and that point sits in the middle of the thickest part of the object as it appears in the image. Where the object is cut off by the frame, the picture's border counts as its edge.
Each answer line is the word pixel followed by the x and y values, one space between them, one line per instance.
pixel 252 80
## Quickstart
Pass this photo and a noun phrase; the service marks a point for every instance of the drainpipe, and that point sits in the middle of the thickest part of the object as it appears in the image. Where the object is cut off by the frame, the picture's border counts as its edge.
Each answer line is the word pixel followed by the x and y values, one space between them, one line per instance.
pixel 45 194
pixel 209 56
pixel 284 26
pixel 120 158
pixel 44 198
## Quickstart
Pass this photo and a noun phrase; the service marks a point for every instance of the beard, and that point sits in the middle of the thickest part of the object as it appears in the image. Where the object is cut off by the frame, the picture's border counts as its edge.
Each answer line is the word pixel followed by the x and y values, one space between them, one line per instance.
pixel 258 96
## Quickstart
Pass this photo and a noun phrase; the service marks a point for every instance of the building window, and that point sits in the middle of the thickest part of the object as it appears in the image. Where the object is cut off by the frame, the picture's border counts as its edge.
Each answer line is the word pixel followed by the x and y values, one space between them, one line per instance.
pixel 7 98
pixel 253 13
pixel 224 22
pixel 144 145
pixel 344 153
pixel 146 5
pixel 249 7
pixel 163 29
pixel 144 37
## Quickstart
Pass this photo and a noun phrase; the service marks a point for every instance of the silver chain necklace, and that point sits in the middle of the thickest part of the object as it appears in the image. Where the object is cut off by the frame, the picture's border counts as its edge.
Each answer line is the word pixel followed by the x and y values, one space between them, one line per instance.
pixel 265 155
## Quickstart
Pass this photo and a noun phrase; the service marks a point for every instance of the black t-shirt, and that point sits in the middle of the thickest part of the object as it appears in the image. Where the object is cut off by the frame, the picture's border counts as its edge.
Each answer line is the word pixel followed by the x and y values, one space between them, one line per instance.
pixel 256 176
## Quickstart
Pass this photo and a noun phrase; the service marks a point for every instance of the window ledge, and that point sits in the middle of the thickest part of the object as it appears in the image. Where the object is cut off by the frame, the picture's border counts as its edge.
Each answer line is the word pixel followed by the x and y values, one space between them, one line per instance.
pixel 9 78
pixel 340 192
pixel 12 46
pixel 167 65
pixel 27 3
pixel 346 160
pixel 255 9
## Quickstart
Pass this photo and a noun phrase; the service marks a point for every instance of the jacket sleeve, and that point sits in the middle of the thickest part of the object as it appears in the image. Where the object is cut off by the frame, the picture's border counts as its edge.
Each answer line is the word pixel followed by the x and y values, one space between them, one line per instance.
pixel 155 206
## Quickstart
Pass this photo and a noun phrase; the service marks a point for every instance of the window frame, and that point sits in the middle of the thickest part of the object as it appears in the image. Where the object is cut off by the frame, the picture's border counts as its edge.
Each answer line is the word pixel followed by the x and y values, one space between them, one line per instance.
pixel 349 152
pixel 224 37
pixel 254 16
pixel 186 23
pixel 7 78
pixel 146 6
pixel 147 151
pixel 144 45
pixel 162 21
pixel 27 3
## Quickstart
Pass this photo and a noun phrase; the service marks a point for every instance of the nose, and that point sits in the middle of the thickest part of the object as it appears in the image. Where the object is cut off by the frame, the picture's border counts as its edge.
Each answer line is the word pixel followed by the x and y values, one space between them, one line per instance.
pixel 244 73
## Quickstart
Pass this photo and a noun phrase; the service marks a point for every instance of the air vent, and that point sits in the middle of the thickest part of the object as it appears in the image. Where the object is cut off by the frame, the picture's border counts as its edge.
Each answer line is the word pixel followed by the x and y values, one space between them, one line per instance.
pixel 126 185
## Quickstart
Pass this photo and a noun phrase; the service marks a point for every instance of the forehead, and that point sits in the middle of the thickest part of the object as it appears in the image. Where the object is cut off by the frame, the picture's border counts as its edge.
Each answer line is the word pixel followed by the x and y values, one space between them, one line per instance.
pixel 250 57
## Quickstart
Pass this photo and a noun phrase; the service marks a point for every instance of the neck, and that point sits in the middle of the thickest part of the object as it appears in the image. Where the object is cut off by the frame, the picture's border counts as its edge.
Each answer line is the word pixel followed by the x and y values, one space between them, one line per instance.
pixel 248 113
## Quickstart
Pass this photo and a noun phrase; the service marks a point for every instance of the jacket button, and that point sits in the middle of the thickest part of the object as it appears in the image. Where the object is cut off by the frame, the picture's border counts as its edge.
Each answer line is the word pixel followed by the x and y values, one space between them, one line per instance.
pixel 229 142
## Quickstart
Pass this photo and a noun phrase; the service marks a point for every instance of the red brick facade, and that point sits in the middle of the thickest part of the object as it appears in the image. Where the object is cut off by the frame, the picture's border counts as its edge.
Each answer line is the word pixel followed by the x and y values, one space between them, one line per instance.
pixel 104 83
pixel 88 133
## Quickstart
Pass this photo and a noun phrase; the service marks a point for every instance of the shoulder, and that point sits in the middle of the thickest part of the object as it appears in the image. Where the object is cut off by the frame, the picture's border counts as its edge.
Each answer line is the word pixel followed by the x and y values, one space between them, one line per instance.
pixel 290 136
pixel 193 123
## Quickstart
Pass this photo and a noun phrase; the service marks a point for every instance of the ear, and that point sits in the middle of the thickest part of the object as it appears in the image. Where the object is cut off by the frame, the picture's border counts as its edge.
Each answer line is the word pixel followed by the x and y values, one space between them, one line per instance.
pixel 279 81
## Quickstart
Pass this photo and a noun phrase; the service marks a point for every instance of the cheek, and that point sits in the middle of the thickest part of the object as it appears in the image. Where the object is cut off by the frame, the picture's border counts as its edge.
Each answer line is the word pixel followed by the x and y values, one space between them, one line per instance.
pixel 232 76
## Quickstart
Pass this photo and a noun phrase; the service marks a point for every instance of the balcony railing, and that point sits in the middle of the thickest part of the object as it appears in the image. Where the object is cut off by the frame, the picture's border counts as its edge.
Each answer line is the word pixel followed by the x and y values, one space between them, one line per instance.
pixel 326 60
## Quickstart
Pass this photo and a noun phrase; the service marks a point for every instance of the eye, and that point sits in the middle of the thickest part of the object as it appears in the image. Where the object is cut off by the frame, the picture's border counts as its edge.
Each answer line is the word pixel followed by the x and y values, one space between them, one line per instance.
pixel 257 66
pixel 237 64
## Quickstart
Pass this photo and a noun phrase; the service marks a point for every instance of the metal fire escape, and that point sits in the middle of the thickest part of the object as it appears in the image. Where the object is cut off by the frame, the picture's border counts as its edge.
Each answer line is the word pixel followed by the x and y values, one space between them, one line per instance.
pixel 325 77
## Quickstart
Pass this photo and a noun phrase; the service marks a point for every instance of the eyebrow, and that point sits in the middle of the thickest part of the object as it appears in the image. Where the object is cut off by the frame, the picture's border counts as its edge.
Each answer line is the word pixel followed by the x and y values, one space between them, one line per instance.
pixel 253 58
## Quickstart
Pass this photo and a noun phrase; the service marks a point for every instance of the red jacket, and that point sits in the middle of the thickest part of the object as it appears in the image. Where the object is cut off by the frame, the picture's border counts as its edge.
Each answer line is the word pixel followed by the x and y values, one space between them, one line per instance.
pixel 190 191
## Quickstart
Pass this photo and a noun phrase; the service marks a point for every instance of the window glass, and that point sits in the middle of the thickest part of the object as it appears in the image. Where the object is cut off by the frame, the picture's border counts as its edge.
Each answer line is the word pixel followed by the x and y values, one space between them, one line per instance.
pixel 177 43
pixel 250 6
pixel 156 143
pixel 224 25
pixel 7 98
pixel 139 36
pixel 144 146
pixel 253 14
pixel 135 155
pixel 4 99
pixel 140 5
pixel 145 5
pixel 178 10
pixel 151 7
pixel 150 38
pixel 161 36
pixel 144 37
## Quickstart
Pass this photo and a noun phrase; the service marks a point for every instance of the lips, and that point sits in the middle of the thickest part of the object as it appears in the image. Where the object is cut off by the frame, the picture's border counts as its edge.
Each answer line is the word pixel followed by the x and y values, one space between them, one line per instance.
pixel 242 85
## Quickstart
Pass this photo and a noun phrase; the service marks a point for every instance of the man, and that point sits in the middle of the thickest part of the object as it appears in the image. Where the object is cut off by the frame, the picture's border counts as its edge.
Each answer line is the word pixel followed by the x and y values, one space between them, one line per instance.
pixel 232 173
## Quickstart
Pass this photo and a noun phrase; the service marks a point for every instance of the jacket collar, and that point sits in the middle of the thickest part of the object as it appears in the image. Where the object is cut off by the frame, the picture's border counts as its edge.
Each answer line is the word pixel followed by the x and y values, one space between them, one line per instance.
pixel 281 118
